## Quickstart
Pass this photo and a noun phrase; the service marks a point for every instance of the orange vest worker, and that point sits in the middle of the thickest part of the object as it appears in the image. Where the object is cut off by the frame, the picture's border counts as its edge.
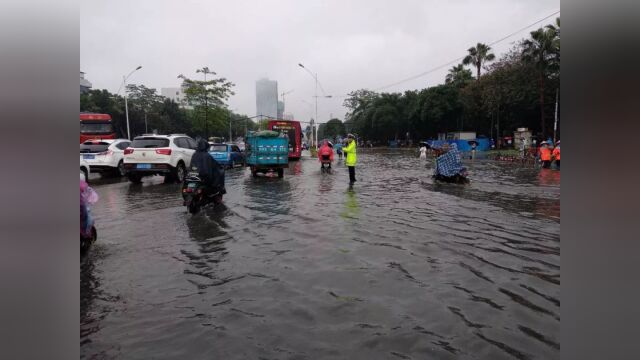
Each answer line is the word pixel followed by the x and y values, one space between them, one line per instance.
pixel 545 154
pixel 556 153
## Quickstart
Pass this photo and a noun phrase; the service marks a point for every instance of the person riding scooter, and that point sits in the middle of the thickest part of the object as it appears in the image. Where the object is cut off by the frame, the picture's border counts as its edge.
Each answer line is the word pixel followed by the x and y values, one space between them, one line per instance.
pixel 207 168
pixel 325 154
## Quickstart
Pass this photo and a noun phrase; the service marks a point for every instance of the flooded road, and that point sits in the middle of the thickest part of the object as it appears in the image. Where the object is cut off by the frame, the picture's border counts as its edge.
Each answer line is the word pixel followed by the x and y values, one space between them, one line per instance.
pixel 304 268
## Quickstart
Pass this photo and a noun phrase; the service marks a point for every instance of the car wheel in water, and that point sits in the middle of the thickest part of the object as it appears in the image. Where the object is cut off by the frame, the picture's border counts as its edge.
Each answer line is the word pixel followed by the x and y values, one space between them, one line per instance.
pixel 120 171
pixel 180 172
pixel 280 173
pixel 232 165
pixel 86 175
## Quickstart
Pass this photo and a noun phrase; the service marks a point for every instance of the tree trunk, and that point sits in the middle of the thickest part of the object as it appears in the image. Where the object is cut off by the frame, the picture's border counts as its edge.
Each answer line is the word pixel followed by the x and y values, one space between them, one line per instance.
pixel 478 78
pixel 541 89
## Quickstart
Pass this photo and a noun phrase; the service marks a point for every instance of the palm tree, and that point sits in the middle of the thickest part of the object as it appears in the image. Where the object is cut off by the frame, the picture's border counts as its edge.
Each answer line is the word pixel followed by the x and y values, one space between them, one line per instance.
pixel 478 55
pixel 543 51
pixel 458 75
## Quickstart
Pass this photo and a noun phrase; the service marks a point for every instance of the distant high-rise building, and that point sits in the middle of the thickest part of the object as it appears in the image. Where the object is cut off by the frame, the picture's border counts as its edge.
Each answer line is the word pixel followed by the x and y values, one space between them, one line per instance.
pixel 85 85
pixel 173 93
pixel 267 98
pixel 287 116
pixel 280 109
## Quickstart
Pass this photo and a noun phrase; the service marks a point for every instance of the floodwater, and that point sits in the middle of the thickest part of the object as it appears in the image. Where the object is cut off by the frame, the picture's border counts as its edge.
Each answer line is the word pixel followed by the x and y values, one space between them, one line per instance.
pixel 304 268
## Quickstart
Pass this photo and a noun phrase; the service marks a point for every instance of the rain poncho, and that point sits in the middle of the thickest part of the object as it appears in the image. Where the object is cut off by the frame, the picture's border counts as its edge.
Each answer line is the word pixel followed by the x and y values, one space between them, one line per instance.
pixel 338 147
pixel 208 169
pixel 449 163
pixel 325 150
pixel 87 197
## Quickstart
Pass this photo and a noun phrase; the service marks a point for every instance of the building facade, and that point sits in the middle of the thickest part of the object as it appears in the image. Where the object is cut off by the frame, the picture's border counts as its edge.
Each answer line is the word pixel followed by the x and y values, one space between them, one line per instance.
pixel 267 98
pixel 85 85
pixel 174 93
pixel 280 109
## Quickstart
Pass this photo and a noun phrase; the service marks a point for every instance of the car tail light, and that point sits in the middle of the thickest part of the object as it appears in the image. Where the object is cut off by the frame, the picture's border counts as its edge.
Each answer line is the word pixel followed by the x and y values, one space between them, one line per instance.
pixel 108 152
pixel 128 151
pixel 163 151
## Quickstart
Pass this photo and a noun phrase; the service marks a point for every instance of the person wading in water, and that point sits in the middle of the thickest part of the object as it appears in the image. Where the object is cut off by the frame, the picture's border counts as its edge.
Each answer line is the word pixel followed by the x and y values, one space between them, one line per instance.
pixel 350 161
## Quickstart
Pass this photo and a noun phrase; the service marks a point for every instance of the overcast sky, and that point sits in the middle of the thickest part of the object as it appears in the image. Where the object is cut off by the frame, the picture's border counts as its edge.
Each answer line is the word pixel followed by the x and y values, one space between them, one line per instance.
pixel 350 44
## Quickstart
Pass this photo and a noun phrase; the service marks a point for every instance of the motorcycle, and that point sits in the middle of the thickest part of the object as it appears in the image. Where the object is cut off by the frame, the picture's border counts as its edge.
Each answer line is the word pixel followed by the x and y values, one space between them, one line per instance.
pixel 88 233
pixel 196 193
pixel 87 240
pixel 325 160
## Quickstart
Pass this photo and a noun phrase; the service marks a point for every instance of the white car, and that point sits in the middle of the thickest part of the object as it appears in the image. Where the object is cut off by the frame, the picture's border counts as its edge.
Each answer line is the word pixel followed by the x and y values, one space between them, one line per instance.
pixel 85 169
pixel 168 155
pixel 105 155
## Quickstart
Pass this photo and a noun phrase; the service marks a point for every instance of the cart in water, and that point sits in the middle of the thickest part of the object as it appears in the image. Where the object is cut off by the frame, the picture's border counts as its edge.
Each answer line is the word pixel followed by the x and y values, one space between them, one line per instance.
pixel 267 151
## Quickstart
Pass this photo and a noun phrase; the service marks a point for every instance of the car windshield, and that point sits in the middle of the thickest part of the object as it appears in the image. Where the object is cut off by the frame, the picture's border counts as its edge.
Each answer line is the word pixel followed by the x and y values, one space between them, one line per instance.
pixel 96 128
pixel 218 148
pixel 94 147
pixel 150 142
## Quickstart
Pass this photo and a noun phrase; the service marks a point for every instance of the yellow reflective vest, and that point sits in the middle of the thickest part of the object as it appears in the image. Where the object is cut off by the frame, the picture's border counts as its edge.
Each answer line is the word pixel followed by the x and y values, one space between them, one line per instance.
pixel 350 150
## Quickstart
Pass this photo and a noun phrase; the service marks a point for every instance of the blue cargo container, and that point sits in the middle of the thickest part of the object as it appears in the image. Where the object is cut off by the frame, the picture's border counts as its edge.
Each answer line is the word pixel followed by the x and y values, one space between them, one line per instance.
pixel 267 151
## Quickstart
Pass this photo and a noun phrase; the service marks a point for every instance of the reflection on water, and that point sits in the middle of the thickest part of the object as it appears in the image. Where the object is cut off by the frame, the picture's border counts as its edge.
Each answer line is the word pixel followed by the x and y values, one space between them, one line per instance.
pixel 351 209
pixel 305 267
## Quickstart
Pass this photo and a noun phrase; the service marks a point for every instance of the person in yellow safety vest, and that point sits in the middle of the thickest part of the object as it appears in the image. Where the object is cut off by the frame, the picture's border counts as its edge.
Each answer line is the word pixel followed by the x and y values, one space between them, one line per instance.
pixel 350 161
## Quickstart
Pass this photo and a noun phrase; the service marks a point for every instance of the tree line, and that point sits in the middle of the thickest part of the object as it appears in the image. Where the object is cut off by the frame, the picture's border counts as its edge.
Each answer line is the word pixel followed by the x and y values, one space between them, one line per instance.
pixel 203 113
pixel 517 90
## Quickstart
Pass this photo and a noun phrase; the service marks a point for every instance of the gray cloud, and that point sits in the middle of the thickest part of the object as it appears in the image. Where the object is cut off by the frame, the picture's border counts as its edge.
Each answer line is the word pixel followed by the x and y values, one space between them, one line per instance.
pixel 350 44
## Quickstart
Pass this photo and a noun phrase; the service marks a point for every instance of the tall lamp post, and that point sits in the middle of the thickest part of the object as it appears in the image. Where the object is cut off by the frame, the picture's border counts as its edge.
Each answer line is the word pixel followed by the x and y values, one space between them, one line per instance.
pixel 126 107
pixel 315 77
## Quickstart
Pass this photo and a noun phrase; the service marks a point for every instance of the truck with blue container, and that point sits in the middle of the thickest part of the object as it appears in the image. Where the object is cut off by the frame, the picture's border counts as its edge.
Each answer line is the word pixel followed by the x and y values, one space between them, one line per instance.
pixel 267 151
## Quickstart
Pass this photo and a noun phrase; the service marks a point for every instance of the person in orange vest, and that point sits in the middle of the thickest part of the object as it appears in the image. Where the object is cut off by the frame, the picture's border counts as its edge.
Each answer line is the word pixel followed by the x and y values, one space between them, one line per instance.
pixel 545 155
pixel 556 153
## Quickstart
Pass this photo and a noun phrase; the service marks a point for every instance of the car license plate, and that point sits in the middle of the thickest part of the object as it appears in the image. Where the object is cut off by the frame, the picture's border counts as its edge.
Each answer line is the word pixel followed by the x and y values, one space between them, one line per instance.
pixel 143 166
pixel 192 185
pixel 87 156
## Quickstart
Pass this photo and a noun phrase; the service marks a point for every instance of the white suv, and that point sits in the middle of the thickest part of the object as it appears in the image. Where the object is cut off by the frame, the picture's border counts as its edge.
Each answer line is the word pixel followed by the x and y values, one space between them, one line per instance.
pixel 168 155
pixel 105 155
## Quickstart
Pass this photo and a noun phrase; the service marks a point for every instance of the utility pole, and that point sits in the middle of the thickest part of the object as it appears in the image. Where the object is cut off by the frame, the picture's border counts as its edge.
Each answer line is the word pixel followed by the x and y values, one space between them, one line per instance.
pixel 126 106
pixel 555 124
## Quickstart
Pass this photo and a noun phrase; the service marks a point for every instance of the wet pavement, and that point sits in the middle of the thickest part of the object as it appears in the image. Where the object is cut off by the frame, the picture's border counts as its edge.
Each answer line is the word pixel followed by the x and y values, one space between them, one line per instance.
pixel 304 268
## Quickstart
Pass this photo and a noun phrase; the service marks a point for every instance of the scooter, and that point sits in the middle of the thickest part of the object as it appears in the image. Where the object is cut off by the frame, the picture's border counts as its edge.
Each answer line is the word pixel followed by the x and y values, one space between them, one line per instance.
pixel 196 193
pixel 325 160
pixel 87 238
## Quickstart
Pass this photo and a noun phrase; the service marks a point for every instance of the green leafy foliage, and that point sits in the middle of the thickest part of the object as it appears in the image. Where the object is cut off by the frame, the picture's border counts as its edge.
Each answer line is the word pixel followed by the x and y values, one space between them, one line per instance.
pixel 507 96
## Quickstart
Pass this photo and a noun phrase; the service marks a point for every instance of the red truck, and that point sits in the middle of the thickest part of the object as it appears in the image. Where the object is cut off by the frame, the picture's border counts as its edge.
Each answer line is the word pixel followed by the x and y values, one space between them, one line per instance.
pixel 95 126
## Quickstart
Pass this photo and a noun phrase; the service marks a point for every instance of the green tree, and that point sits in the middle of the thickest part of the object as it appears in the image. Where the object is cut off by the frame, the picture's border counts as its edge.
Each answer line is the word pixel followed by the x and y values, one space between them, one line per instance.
pixel 333 128
pixel 458 76
pixel 543 51
pixel 208 100
pixel 143 99
pixel 478 55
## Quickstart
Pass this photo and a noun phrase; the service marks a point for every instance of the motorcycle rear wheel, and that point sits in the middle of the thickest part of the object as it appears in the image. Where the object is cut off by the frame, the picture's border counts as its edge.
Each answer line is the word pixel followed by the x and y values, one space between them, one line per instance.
pixel 193 207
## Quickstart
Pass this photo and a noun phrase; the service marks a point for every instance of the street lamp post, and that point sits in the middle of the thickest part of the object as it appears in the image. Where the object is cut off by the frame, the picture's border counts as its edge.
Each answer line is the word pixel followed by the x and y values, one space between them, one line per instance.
pixel 315 77
pixel 126 107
